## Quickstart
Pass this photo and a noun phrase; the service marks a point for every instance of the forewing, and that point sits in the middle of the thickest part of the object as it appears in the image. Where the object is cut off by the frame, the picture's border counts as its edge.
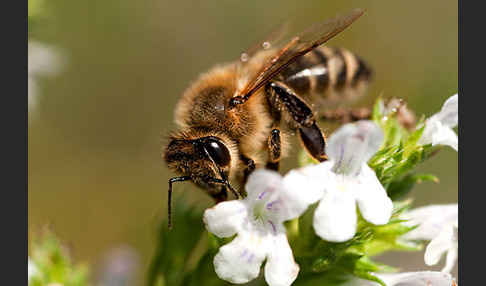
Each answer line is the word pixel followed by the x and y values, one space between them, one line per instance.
pixel 298 46
pixel 275 36
pixel 272 39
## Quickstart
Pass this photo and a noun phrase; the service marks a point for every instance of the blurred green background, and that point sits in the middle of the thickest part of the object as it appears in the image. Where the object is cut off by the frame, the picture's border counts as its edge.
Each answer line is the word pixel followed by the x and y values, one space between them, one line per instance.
pixel 95 169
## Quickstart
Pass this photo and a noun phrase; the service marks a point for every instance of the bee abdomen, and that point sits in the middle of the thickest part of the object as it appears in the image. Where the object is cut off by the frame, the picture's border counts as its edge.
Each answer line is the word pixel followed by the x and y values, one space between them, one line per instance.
pixel 328 72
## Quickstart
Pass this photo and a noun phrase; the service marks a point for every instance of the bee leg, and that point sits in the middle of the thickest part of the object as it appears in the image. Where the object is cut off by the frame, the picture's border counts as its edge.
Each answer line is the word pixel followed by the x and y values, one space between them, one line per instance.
pixel 221 196
pixel 274 142
pixel 284 99
pixel 281 97
pixel 341 115
pixel 169 198
pixel 313 141
pixel 274 148
pixel 250 167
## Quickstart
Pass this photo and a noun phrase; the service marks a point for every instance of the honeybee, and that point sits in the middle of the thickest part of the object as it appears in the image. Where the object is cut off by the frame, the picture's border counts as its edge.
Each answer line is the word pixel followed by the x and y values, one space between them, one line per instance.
pixel 236 112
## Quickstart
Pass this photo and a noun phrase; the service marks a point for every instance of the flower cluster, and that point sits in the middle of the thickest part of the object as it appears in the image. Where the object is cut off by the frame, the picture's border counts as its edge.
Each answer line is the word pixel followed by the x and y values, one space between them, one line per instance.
pixel 346 180
pixel 258 221
pixel 437 223
pixel 44 61
pixel 50 263
pixel 349 194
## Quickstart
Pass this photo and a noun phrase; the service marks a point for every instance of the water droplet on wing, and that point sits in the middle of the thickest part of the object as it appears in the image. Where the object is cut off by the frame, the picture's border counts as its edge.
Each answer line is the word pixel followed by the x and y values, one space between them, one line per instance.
pixel 244 57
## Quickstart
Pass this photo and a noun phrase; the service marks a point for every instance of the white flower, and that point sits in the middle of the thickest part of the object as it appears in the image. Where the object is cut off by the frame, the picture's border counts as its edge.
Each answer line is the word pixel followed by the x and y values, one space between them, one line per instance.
pixel 430 220
pixel 438 128
pixel 31 269
pixel 421 278
pixel 258 222
pixel 439 224
pixel 345 180
pixel 43 60
pixel 445 242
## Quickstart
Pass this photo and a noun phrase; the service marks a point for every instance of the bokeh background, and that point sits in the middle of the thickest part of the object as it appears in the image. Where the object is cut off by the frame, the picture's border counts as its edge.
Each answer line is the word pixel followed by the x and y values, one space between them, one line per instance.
pixel 95 126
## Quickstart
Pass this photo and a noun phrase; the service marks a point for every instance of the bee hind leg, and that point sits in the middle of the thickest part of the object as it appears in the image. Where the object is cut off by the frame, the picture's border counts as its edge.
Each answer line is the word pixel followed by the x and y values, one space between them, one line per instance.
pixel 284 99
pixel 341 115
pixel 313 141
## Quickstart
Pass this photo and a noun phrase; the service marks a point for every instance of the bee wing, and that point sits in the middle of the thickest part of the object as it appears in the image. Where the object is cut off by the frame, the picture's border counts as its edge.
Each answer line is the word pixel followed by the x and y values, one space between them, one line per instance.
pixel 298 46
pixel 273 38
pixel 276 35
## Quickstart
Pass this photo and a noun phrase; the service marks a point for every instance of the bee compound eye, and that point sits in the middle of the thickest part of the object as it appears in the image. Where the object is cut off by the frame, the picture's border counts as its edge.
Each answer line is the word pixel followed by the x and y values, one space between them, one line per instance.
pixel 218 151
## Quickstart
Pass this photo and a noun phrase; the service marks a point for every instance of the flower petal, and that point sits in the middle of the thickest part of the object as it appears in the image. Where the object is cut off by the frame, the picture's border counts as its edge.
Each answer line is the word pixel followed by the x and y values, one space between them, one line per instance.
pixel 354 144
pixel 438 128
pixel 240 260
pixel 430 220
pixel 31 269
pixel 451 259
pixel 335 218
pixel 374 203
pixel 225 218
pixel 432 125
pixel 262 183
pixel 421 278
pixel 285 198
pixel 44 59
pixel 280 268
pixel 436 133
pixel 445 136
pixel 449 114
pixel 302 188
pixel 439 245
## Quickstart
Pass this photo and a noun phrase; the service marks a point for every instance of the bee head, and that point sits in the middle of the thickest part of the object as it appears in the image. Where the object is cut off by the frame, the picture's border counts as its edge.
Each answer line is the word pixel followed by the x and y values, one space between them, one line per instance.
pixel 206 159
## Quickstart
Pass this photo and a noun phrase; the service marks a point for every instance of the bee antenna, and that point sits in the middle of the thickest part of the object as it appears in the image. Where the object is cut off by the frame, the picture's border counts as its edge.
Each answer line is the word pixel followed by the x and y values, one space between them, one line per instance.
pixel 169 200
pixel 237 195
pixel 227 183
pixel 223 177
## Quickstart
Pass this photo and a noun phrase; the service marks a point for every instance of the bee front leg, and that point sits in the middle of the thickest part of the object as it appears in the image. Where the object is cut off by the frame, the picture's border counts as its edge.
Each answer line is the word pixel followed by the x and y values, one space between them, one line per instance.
pixel 274 150
pixel 281 97
pixel 221 196
pixel 250 167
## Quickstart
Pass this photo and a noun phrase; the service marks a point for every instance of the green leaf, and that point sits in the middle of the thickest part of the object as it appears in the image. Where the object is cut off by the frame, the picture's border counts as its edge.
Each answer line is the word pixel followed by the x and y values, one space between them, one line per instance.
pixel 365 264
pixel 383 155
pixel 377 113
pixel 176 246
pixel 204 273
pixel 412 140
pixel 399 188
pixel 369 276
pixel 392 133
pixel 401 206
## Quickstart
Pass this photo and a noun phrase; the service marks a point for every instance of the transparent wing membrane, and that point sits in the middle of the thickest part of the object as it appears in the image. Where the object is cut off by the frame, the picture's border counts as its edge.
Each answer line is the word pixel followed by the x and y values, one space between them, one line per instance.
pixel 287 53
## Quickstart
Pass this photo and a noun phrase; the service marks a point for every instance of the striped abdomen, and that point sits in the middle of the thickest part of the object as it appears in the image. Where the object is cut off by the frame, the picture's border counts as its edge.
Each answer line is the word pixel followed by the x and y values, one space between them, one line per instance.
pixel 328 75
